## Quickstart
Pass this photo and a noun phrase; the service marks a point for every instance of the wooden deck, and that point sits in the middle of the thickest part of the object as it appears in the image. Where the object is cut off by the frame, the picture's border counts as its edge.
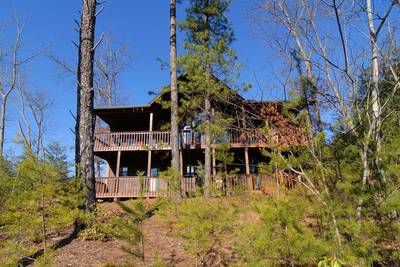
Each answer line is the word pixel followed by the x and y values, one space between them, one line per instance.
pixel 134 187
pixel 157 140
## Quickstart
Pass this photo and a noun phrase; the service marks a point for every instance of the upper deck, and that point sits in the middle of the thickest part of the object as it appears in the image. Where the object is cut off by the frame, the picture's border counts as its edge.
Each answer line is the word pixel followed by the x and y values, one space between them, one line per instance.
pixel 161 140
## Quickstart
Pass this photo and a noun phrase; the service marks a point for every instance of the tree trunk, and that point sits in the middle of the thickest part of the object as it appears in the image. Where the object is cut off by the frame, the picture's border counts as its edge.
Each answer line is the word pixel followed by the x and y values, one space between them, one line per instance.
pixel 85 91
pixel 174 91
pixel 375 98
pixel 2 124
pixel 207 148
pixel 77 119
pixel 207 109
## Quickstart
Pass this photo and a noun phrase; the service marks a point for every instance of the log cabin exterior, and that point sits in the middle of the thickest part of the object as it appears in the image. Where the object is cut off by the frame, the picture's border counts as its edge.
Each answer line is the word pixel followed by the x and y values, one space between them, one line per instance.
pixel 133 141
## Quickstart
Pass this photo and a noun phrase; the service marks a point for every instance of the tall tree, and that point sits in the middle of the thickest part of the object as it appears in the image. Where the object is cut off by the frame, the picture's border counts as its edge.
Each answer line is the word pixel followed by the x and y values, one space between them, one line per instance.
pixel 300 26
pixel 111 59
pixel 34 109
pixel 208 61
pixel 85 118
pixel 10 69
pixel 174 88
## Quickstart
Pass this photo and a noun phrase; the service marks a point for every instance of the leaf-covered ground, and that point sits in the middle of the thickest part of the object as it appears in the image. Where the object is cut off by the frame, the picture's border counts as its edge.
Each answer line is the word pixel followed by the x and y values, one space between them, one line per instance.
pixel 158 243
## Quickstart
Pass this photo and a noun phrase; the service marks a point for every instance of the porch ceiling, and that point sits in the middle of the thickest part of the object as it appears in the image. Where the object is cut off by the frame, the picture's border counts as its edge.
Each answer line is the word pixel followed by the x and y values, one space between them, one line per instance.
pixel 121 117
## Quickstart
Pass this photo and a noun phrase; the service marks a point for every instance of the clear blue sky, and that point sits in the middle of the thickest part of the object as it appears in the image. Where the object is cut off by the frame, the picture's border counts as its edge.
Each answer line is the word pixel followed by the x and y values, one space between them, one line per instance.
pixel 143 25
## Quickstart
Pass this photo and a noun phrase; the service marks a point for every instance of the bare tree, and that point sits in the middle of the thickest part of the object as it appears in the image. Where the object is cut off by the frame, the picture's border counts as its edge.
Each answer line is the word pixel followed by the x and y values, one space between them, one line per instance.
pixel 333 61
pixel 110 62
pixel 85 98
pixel 10 64
pixel 34 107
pixel 174 89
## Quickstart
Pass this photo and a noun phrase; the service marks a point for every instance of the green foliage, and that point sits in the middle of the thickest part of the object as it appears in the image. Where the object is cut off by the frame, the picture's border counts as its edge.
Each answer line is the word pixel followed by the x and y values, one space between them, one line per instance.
pixel 96 225
pixel 39 203
pixel 56 156
pixel 208 64
pixel 328 262
pixel 130 229
pixel 173 178
pixel 203 225
pixel 281 235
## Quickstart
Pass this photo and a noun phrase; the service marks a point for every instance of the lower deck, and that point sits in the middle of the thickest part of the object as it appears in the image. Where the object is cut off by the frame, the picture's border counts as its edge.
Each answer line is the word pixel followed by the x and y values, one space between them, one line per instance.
pixel 137 186
pixel 153 162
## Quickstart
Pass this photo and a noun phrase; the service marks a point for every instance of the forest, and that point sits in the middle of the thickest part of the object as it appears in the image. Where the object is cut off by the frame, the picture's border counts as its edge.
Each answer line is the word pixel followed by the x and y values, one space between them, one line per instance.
pixel 327 136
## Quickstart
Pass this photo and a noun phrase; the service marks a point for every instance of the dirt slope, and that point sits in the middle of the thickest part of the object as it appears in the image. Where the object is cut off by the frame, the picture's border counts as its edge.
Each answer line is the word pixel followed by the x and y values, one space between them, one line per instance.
pixel 98 253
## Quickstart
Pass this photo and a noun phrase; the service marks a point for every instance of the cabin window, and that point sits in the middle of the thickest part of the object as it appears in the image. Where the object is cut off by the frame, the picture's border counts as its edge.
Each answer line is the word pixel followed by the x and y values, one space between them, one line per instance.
pixel 154 172
pixel 190 170
pixel 124 171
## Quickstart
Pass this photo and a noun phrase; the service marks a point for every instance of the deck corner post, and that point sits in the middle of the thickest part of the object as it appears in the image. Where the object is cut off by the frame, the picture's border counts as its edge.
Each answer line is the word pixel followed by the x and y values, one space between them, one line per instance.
pixel 214 163
pixel 118 164
pixel 249 177
pixel 148 163
pixel 151 122
pixel 246 158
pixel 149 151
pixel 181 162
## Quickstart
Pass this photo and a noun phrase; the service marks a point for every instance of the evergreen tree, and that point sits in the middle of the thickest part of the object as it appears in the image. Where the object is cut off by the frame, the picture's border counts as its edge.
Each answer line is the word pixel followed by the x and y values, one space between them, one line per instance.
pixel 204 225
pixel 208 64
pixel 56 156
pixel 38 204
pixel 84 129
pixel 281 235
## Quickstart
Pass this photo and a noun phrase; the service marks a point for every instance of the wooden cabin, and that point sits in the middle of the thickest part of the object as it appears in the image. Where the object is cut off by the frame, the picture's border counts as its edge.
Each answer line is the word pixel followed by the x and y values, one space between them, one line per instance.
pixel 135 146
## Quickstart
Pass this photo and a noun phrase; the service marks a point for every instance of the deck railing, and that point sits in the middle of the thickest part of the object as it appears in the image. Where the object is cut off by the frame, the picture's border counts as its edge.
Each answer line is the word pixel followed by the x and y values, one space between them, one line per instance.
pixel 134 187
pixel 132 141
pixel 158 140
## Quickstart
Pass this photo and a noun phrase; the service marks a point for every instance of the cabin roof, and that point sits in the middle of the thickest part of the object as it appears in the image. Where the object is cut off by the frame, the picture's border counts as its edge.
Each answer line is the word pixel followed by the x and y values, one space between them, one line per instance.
pixel 118 115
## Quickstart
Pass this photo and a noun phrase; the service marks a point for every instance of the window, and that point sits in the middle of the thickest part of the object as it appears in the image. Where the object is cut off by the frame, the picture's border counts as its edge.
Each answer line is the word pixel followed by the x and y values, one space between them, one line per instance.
pixel 190 170
pixel 154 172
pixel 124 171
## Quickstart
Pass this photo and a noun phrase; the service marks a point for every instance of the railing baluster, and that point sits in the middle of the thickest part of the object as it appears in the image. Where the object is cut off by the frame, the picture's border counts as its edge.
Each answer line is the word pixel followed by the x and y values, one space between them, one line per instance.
pixel 162 140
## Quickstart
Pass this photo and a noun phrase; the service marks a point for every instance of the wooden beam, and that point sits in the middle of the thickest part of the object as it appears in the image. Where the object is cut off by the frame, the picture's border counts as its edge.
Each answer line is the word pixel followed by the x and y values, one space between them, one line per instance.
pixel 214 166
pixel 118 163
pixel 249 177
pixel 108 170
pixel 181 161
pixel 149 152
pixel 148 163
pixel 246 158
pixel 151 122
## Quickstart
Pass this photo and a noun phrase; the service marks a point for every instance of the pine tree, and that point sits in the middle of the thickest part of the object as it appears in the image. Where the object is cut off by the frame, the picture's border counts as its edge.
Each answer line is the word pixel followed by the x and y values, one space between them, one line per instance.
pixel 175 164
pixel 56 156
pixel 208 64
pixel 85 96
pixel 38 204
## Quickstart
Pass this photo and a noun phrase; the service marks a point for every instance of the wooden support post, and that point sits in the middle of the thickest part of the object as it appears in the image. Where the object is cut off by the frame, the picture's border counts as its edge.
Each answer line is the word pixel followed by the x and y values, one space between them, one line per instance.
pixel 118 163
pixel 214 166
pixel 246 158
pixel 108 170
pixel 148 163
pixel 117 173
pixel 249 177
pixel 181 161
pixel 151 122
pixel 149 152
